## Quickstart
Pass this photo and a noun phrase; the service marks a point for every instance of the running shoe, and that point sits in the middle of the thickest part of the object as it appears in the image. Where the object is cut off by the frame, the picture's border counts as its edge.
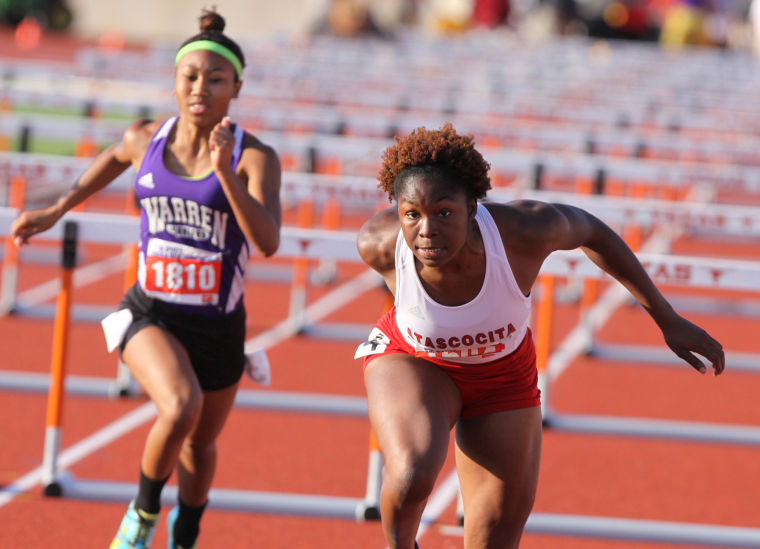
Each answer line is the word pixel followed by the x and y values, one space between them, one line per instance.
pixel 171 520
pixel 136 529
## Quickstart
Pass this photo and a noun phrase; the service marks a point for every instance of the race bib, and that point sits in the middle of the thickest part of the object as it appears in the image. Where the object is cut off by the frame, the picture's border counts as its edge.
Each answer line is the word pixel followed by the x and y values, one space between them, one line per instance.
pixel 376 344
pixel 181 274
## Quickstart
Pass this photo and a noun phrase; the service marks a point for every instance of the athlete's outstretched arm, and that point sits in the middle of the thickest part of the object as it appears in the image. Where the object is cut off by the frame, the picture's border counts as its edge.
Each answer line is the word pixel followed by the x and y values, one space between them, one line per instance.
pixel 256 204
pixel 106 167
pixel 566 227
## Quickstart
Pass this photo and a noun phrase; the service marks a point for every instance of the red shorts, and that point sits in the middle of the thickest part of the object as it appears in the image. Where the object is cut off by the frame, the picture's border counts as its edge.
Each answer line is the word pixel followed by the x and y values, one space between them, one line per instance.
pixel 507 383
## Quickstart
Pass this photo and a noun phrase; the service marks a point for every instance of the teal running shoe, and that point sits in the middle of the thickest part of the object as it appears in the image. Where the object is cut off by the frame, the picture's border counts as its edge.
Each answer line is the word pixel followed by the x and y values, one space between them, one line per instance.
pixel 136 529
pixel 172 519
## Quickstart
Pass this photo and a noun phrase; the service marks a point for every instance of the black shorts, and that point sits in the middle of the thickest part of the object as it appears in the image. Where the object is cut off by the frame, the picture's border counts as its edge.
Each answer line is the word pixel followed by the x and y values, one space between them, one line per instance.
pixel 215 345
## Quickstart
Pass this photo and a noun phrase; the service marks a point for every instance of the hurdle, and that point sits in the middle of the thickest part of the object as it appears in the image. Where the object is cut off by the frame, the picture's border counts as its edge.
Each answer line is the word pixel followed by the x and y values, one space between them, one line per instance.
pixel 324 271
pixel 698 218
pixel 727 273
pixel 696 432
pixel 302 504
pixel 58 362
pixel 589 115
pixel 10 251
pixel 654 531
pixel 544 319
pixel 353 153
pixel 697 272
pixel 715 218
pixel 300 268
pixel 614 111
pixel 327 119
pixel 340 244
pixel 317 243
pixel 360 192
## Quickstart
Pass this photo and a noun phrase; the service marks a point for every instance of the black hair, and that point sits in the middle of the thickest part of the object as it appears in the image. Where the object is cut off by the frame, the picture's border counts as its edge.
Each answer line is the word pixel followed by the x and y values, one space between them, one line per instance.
pixel 442 153
pixel 212 28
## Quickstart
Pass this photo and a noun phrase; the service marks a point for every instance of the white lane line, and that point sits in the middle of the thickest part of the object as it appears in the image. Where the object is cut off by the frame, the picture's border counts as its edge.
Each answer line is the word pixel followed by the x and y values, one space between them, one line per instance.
pixel 82 276
pixel 82 449
pixel 332 301
pixel 343 294
pixel 442 498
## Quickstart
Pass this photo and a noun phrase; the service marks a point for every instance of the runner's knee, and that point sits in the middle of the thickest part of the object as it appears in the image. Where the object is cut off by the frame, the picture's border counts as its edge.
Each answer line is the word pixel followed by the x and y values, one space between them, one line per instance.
pixel 181 412
pixel 411 478
pixel 499 522
pixel 198 450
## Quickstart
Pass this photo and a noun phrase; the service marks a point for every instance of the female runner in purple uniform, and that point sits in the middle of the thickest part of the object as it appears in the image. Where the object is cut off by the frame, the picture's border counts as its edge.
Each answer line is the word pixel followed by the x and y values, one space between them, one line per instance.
pixel 206 189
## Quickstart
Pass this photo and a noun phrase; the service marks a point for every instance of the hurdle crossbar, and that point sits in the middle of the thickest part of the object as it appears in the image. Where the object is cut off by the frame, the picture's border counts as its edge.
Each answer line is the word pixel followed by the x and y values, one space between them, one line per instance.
pixel 326 77
pixel 288 401
pixel 311 505
pixel 341 245
pixel 549 136
pixel 361 191
pixel 654 531
pixel 652 354
pixel 653 428
pixel 698 272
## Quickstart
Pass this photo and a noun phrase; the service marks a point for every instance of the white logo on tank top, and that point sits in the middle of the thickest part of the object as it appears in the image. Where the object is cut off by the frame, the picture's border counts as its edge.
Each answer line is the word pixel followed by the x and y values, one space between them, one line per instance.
pixel 147 181
pixel 185 218
pixel 415 311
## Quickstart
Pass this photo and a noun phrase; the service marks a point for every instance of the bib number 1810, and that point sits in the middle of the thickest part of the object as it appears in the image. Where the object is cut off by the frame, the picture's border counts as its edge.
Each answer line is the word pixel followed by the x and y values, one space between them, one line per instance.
pixel 182 275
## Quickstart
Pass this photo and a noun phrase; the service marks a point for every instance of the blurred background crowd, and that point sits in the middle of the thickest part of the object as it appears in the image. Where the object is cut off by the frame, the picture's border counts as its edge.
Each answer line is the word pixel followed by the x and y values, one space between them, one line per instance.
pixel 713 23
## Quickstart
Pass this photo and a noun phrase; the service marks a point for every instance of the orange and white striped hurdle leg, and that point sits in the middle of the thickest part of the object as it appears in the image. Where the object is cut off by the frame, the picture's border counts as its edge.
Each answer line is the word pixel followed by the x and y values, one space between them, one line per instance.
pixel 327 269
pixel 11 252
pixel 301 269
pixel 588 299
pixel 543 334
pixel 460 506
pixel 370 510
pixel 53 423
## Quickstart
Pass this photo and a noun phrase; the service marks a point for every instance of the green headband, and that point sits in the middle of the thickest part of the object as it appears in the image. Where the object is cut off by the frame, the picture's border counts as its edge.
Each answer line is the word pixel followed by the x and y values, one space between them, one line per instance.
pixel 216 47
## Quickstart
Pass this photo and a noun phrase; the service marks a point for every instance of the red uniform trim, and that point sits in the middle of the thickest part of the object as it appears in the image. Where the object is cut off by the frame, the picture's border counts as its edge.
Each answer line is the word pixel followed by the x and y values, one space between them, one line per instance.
pixel 508 383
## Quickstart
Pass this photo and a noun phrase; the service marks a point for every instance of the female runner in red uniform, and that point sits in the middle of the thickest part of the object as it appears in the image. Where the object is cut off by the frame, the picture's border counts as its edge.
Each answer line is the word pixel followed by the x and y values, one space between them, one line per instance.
pixel 455 350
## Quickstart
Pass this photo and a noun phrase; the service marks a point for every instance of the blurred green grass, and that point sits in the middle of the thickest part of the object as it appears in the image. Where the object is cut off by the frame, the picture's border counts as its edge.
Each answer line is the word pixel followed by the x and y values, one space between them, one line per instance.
pixel 112 114
pixel 41 145
pixel 65 147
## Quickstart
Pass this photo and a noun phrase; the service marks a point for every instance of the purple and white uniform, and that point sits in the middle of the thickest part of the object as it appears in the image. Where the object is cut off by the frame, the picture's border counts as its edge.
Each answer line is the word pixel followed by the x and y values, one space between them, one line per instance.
pixel 192 251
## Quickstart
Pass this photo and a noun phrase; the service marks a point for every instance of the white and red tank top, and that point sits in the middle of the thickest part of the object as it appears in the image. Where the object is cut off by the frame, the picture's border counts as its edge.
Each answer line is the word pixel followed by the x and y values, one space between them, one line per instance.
pixel 489 327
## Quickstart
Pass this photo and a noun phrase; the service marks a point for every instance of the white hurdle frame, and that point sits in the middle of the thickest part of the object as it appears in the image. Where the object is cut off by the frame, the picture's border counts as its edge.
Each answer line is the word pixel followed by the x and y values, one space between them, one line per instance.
pixel 121 229
pixel 314 243
pixel 653 531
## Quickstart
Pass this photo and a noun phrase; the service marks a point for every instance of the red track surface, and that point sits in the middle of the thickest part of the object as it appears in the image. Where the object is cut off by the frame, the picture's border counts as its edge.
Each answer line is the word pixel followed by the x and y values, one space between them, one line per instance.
pixel 288 452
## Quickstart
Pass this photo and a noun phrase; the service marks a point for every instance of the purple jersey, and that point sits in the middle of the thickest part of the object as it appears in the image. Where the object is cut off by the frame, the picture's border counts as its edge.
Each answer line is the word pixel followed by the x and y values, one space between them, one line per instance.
pixel 193 253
